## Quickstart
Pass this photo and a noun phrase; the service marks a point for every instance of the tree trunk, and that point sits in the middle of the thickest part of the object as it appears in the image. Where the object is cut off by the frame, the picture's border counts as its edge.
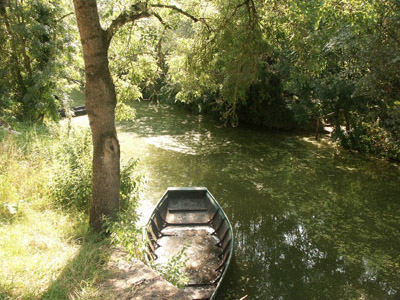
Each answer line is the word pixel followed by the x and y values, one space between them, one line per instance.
pixel 317 129
pixel 100 104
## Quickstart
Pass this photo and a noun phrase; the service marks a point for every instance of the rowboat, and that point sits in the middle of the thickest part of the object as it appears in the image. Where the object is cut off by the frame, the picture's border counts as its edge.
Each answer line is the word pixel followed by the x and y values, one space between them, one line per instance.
pixel 191 220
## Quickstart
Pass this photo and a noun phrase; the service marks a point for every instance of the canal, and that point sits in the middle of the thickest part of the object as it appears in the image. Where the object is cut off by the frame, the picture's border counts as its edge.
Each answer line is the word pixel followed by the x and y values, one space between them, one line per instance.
pixel 310 221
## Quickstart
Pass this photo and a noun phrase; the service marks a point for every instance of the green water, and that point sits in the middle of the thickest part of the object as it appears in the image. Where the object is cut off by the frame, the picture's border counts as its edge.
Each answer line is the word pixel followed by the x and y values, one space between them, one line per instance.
pixel 309 222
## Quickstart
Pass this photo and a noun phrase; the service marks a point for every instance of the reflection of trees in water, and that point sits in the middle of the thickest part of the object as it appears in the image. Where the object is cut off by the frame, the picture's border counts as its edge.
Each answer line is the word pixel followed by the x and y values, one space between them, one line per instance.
pixel 309 223
pixel 305 259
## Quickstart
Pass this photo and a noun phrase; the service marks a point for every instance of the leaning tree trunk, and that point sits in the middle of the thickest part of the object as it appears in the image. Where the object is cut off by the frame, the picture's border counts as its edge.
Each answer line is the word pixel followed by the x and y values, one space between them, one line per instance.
pixel 100 104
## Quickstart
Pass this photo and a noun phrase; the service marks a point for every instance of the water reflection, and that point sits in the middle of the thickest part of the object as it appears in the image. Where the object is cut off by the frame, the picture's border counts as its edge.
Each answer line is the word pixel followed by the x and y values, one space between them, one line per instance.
pixel 310 223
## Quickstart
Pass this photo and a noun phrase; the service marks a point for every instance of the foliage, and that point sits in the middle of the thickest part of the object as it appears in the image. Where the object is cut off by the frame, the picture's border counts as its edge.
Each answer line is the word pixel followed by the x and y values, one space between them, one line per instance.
pixel 124 231
pixel 38 58
pixel 255 60
pixel 266 106
pixel 133 61
pixel 372 138
pixel 61 160
pixel 172 269
pixel 216 68
pixel 130 186
pixel 330 66
pixel 71 181
pixel 280 64
pixel 391 122
pixel 124 112
pixel 336 62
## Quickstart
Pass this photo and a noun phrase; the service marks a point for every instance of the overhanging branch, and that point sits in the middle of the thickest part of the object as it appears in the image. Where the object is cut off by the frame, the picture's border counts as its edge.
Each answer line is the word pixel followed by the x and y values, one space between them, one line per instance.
pixel 137 12
pixel 161 20
pixel 173 7
pixel 181 11
pixel 141 10
pixel 63 17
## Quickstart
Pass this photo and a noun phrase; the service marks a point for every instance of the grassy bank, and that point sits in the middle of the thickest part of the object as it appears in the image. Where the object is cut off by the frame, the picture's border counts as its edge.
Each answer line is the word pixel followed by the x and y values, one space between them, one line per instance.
pixel 46 248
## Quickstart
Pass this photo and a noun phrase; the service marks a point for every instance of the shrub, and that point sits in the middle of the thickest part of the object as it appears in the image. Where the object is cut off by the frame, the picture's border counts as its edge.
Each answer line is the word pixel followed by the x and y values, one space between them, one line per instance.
pixel 123 231
pixel 130 186
pixel 370 138
pixel 71 178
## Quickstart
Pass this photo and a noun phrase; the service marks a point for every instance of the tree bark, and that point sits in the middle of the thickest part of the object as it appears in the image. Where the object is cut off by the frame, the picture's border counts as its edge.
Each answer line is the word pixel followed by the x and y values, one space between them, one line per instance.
pixel 317 129
pixel 100 104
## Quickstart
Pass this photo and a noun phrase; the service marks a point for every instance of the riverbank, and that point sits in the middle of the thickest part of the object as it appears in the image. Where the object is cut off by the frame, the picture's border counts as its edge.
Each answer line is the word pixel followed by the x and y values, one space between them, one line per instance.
pixel 47 250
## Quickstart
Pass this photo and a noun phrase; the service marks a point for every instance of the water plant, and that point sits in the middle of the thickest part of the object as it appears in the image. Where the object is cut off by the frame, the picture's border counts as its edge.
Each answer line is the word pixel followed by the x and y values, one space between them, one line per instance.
pixel 173 269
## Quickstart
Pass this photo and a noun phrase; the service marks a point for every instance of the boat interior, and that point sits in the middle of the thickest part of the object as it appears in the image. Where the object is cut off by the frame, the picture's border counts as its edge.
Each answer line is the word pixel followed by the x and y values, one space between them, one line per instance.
pixel 191 222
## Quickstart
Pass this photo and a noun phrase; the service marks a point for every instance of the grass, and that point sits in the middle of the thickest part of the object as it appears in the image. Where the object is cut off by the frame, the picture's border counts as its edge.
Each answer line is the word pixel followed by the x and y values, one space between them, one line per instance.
pixel 46 251
pixel 80 277
pixel 34 250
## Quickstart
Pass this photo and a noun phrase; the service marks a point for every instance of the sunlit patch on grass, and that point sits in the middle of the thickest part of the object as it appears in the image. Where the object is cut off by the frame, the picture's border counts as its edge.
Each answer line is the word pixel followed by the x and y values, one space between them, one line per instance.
pixel 34 250
pixel 323 141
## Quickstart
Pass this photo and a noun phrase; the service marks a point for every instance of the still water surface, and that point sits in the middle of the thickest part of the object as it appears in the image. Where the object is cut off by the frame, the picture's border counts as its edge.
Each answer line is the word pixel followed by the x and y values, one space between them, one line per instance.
pixel 309 222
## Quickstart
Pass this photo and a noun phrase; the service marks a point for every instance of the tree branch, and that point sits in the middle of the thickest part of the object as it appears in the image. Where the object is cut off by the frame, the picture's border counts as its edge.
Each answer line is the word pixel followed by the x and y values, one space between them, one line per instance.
pixel 181 11
pixel 173 7
pixel 137 11
pixel 141 10
pixel 63 17
pixel 161 20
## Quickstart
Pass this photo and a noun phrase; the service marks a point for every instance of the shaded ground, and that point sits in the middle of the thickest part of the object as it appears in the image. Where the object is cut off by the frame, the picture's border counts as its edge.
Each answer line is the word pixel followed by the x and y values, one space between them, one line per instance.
pixel 133 280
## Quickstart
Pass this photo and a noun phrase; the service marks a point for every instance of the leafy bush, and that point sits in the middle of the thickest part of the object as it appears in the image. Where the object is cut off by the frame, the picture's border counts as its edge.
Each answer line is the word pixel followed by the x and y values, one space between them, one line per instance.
pixel 70 185
pixel 370 138
pixel 130 186
pixel 125 233
pixel 392 122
